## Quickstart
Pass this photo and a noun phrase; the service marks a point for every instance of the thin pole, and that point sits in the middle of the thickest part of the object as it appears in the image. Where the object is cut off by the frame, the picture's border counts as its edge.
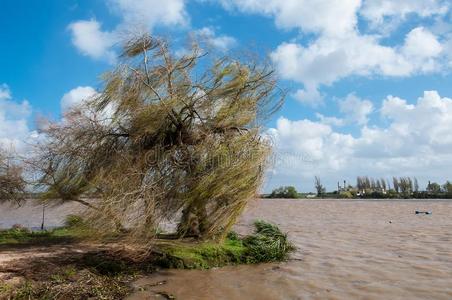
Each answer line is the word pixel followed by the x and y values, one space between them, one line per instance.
pixel 43 216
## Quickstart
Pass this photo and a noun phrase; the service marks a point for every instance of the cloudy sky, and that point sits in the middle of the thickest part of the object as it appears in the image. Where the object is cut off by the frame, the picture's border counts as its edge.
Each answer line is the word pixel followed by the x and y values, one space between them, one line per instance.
pixel 370 80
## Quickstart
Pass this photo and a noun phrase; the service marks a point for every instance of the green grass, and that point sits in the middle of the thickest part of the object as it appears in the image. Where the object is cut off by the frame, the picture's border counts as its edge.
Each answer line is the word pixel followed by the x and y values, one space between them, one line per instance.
pixel 267 244
pixel 73 230
pixel 25 237
pixel 204 255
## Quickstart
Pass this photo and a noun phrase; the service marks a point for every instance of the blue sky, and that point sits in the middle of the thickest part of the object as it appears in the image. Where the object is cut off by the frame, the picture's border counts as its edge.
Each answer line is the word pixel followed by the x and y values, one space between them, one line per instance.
pixel 369 80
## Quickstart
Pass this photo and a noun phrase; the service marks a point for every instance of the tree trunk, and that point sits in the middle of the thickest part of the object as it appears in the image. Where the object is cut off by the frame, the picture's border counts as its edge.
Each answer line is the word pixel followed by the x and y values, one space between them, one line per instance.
pixel 193 222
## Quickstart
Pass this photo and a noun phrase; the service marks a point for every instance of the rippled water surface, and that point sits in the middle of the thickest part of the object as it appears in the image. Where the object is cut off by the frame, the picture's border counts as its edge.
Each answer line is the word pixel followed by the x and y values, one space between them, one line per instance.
pixel 346 250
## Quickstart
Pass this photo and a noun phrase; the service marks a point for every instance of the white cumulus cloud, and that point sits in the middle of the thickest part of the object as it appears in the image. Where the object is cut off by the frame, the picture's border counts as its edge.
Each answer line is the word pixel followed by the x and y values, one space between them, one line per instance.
pixel 330 17
pixel 76 97
pixel 422 47
pixel 377 10
pixel 355 109
pixel 336 47
pixel 333 121
pixel 417 138
pixel 14 117
pixel 151 12
pixel 91 40
pixel 220 42
pixel 328 59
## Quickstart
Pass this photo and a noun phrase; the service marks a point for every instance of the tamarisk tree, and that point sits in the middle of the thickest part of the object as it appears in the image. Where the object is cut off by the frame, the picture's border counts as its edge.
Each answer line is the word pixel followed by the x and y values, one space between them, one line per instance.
pixel 167 139
pixel 12 184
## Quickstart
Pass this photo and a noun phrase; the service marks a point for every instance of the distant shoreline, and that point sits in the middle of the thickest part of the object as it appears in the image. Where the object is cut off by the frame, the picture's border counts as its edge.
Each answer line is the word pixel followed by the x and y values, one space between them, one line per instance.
pixel 362 199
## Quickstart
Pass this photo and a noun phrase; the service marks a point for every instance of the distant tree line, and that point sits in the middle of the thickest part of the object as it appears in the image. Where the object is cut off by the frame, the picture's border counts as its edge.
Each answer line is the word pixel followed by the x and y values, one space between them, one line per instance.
pixel 376 188
pixel 402 187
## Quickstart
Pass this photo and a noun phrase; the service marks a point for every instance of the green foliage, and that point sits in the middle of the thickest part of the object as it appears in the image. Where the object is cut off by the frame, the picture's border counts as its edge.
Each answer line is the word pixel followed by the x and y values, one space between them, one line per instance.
pixel 433 188
pixel 319 186
pixel 392 193
pixel 402 187
pixel 447 187
pixel 267 244
pixel 75 230
pixel 288 192
pixel 345 195
pixel 233 236
pixel 24 291
pixel 73 221
pixel 23 236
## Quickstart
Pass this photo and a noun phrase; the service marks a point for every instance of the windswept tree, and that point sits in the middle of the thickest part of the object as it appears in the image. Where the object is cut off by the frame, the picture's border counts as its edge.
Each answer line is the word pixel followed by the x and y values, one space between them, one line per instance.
pixel 383 184
pixel 319 186
pixel 12 184
pixel 405 185
pixel 360 184
pixel 379 188
pixel 167 139
pixel 367 184
pixel 373 185
pixel 416 185
pixel 395 184
pixel 447 188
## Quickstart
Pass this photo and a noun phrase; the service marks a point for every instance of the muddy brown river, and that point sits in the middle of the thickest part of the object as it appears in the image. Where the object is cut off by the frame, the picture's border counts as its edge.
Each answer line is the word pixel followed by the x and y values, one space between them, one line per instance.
pixel 346 250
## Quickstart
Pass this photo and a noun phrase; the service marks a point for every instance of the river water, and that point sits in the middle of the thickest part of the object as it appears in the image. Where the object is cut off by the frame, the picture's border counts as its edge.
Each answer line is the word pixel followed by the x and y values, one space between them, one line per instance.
pixel 346 250
pixel 30 214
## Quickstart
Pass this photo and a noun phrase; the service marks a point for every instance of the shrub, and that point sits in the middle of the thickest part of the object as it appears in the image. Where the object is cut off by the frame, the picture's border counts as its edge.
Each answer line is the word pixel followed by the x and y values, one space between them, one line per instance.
pixel 267 244
pixel 73 221
pixel 288 192
pixel 345 195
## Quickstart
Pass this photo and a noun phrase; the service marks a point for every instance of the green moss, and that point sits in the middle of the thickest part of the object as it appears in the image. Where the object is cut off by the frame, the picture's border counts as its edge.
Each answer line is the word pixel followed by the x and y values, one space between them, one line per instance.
pixel 201 255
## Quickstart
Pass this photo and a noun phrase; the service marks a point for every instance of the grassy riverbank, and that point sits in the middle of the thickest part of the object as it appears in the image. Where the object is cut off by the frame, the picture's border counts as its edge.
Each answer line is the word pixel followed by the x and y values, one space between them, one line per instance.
pixel 105 272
